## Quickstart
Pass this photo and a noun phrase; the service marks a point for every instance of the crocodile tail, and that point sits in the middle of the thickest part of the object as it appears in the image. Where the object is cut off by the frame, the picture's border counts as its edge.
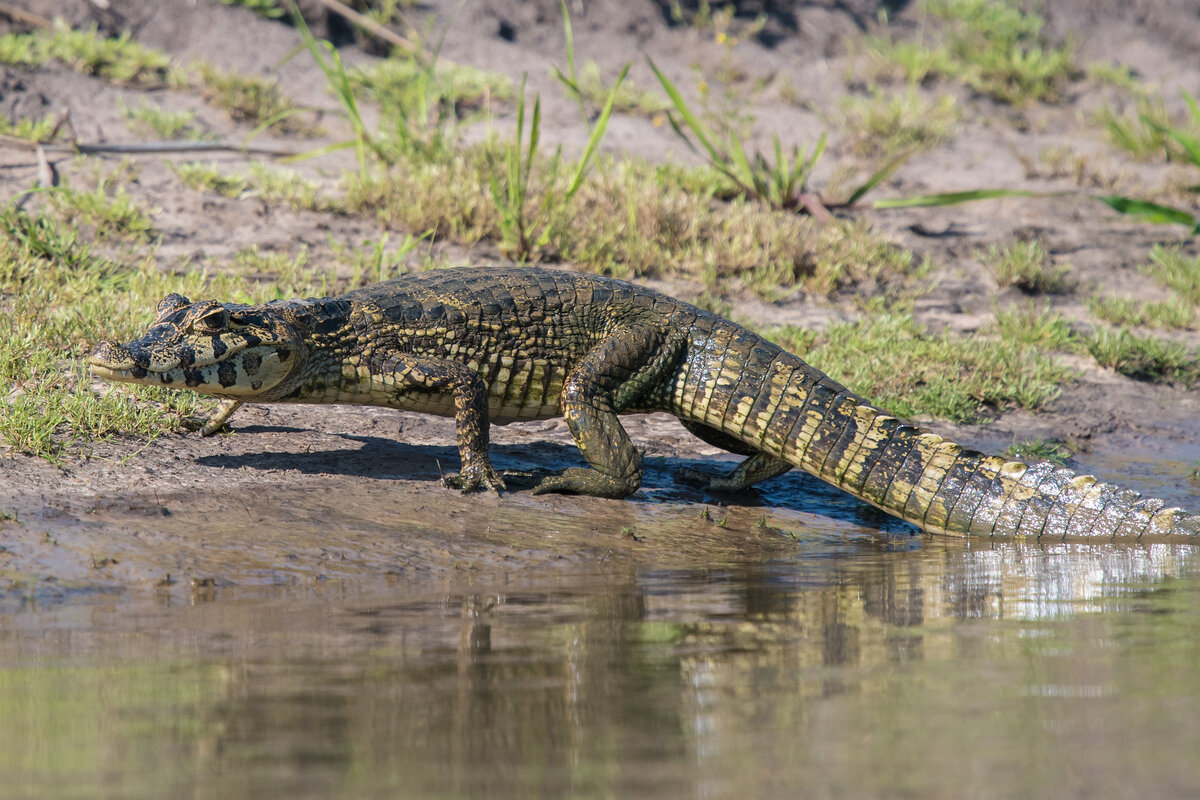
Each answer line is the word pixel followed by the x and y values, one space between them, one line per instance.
pixel 815 424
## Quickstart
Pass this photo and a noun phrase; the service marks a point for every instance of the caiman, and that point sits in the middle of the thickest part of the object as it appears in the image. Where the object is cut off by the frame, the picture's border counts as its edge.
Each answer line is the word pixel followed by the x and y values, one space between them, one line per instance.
pixel 493 345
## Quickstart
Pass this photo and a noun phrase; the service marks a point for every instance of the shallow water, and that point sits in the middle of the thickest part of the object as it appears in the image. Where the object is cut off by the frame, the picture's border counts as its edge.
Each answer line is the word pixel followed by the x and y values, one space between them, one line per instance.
pixel 855 667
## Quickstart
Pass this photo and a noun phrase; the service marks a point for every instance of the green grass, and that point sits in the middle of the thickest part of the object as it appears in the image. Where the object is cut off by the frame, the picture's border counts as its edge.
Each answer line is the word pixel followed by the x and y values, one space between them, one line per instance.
pixel 252 100
pixel 528 214
pixel 206 177
pixel 108 209
pixel 883 125
pixel 779 179
pixel 1181 142
pixel 28 128
pixel 1041 328
pixel 119 60
pixel 996 47
pixel 1146 131
pixel 282 185
pixel 1170 267
pixel 1038 450
pixel 589 87
pixel 267 9
pixel 53 293
pixel 1128 312
pixel 402 85
pixel 633 219
pixel 1139 133
pixel 1026 266
pixel 374 261
pixel 1144 358
pixel 162 123
pixel 890 359
pixel 58 298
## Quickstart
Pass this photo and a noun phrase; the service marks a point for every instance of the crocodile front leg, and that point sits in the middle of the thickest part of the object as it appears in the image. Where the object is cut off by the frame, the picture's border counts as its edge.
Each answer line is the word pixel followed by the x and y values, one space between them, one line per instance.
pixel 612 377
pixel 219 417
pixel 415 374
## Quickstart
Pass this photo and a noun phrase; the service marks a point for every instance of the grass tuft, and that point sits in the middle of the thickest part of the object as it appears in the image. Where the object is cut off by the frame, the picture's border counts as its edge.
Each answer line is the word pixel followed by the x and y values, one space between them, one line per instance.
pixel 1170 267
pixel 1039 450
pixel 994 46
pixel 1037 327
pixel 252 100
pixel 1127 312
pixel 206 177
pixel 1026 266
pixel 162 123
pixel 885 126
pixel 893 361
pixel 1144 358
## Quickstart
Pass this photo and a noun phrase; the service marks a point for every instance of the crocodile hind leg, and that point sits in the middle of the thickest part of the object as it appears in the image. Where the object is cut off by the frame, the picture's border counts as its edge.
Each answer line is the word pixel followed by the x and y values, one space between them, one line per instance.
pixel 612 377
pixel 758 466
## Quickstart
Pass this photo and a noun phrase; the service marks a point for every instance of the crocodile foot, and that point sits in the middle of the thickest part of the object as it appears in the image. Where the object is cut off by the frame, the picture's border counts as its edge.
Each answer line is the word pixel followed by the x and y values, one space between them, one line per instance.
pixel 708 481
pixel 587 482
pixel 474 478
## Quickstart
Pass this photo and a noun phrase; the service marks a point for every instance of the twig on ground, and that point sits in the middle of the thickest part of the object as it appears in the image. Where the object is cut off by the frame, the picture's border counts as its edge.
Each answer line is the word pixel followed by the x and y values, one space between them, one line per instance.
pixel 372 27
pixel 21 15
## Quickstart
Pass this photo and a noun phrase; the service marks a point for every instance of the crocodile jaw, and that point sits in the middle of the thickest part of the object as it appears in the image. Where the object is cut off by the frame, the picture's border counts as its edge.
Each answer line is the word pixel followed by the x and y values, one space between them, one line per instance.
pixel 250 372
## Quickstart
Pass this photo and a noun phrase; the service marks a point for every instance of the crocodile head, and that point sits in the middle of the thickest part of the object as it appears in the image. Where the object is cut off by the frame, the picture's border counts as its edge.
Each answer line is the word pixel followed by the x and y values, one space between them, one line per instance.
pixel 220 349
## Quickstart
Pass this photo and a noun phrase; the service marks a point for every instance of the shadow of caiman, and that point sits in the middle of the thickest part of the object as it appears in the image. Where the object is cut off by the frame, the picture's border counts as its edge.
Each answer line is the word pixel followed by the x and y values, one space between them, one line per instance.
pixel 494 345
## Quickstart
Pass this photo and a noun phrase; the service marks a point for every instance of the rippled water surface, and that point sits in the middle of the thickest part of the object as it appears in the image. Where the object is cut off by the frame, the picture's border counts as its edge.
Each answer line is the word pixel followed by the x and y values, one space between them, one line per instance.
pixel 912 668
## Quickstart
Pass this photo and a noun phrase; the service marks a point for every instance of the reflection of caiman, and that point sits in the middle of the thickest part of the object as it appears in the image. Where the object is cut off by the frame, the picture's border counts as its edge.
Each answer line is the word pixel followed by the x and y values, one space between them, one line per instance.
pixel 502 344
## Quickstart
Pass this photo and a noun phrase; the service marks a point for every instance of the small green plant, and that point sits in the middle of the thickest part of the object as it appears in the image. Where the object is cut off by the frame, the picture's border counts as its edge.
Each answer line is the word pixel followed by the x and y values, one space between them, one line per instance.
pixel 1119 76
pixel 267 9
pixel 33 130
pixel 1039 327
pixel 162 123
pixel 279 184
pixel 1144 358
pixel 109 208
pixel 375 261
pixel 995 47
pixel 326 57
pixel 206 177
pixel 1187 141
pixel 1170 267
pixel 1026 266
pixel 420 103
pixel 407 87
pixel 1036 450
pixel 1141 134
pixel 588 86
pixel 252 100
pixel 781 181
pixel 890 358
pixel 1128 312
pixel 525 231
pixel 120 60
pixel 887 126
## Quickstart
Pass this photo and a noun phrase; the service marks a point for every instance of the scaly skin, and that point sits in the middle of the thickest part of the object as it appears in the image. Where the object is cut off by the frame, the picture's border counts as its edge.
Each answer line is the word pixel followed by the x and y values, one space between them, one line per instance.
pixel 493 345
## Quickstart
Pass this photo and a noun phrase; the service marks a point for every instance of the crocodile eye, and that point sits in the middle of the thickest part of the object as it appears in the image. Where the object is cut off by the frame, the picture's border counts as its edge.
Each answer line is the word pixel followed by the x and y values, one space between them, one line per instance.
pixel 215 320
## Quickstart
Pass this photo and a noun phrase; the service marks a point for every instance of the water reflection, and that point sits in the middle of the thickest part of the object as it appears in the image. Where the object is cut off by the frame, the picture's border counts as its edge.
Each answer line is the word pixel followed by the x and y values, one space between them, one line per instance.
pixel 855 670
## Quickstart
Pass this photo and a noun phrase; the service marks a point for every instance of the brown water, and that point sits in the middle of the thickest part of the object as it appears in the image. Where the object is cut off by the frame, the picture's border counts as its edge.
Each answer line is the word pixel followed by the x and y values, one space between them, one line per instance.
pixel 910 667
